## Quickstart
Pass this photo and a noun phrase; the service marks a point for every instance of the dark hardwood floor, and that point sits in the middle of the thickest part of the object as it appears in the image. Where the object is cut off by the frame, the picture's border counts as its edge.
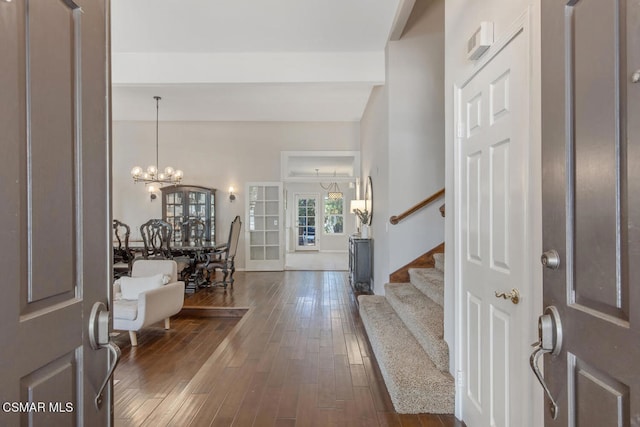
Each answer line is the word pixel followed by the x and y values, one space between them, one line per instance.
pixel 298 357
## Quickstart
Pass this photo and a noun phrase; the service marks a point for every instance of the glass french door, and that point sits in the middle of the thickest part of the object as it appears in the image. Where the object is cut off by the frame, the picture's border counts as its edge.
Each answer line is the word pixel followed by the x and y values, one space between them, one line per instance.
pixel 306 221
pixel 263 232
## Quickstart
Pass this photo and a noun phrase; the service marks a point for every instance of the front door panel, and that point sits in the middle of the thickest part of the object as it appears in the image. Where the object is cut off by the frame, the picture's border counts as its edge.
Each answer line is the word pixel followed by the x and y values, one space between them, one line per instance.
pixel 54 210
pixel 591 207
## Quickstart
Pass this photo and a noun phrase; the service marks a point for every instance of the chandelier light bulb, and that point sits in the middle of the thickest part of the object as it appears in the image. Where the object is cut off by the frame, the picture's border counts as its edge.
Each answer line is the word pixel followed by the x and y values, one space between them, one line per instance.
pixel 152 170
pixel 169 171
pixel 151 189
pixel 178 174
pixel 136 172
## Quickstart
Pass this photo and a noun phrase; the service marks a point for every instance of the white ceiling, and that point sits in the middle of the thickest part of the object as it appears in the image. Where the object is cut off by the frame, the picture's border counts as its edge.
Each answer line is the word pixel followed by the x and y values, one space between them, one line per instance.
pixel 250 60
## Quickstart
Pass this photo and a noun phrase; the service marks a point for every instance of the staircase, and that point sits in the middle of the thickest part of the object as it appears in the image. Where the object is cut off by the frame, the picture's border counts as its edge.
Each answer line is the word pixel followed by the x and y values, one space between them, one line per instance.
pixel 406 329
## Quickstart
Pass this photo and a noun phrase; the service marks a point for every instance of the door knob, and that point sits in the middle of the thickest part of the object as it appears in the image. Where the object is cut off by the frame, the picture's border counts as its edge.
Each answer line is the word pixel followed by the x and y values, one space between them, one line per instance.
pixel 514 295
pixel 99 338
pixel 550 259
pixel 549 341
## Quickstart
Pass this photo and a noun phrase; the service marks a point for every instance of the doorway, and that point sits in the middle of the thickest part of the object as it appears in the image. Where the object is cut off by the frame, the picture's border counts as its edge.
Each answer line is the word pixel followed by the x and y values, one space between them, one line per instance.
pixel 307 217
pixel 493 227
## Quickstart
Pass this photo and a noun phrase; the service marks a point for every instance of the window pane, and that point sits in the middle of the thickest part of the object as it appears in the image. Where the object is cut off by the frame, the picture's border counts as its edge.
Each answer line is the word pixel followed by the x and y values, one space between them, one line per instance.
pixel 333 216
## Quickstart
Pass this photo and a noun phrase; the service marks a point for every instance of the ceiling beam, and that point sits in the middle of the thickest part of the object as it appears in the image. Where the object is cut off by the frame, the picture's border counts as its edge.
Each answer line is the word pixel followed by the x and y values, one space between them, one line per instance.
pixel 400 20
pixel 260 67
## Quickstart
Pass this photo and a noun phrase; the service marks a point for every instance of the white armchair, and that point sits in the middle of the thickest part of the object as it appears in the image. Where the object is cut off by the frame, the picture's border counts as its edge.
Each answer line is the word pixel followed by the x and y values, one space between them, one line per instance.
pixel 151 294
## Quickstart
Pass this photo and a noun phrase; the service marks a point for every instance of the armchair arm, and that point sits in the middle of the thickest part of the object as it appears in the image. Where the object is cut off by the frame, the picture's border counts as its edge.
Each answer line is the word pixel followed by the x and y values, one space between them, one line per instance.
pixel 215 255
pixel 158 304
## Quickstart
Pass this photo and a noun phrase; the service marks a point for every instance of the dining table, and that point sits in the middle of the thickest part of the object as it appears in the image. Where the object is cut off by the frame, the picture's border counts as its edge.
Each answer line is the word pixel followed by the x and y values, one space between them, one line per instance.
pixel 191 258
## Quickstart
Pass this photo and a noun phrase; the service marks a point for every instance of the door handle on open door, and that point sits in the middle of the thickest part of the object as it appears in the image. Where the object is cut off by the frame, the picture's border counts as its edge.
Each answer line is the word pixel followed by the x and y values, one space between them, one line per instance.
pixel 99 338
pixel 549 341
pixel 514 295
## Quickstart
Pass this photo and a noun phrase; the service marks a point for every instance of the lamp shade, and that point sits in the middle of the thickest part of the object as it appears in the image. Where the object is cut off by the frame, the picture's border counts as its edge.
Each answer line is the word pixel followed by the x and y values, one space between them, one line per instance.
pixel 357 204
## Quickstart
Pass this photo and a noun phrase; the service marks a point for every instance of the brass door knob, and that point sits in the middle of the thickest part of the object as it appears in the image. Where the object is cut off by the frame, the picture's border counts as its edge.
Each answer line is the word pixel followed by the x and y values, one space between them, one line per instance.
pixel 514 295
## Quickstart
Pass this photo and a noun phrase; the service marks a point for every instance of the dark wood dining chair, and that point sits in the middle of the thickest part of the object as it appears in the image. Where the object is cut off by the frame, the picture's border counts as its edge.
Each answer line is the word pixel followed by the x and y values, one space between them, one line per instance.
pixel 193 231
pixel 122 255
pixel 190 263
pixel 156 237
pixel 223 258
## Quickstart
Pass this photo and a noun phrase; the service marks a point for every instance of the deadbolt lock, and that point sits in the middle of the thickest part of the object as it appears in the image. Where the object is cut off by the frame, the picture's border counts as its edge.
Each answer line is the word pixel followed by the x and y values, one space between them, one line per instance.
pixel 550 259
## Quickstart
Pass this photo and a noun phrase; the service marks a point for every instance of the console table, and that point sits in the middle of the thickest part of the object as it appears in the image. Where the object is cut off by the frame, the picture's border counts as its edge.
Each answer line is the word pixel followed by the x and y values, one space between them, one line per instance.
pixel 360 264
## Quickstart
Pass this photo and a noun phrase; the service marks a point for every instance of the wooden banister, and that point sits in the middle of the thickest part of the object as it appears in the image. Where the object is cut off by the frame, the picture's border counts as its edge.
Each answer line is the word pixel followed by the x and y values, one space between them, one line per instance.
pixel 435 196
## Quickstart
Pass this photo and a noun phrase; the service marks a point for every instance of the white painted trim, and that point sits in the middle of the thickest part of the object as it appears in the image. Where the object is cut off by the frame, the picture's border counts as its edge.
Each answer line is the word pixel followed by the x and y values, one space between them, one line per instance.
pixel 458 297
pixel 286 155
pixel 400 20
pixel 248 67
pixel 520 24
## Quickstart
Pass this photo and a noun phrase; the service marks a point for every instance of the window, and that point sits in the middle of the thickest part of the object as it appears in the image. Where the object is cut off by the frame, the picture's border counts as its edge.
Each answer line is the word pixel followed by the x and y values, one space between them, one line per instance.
pixel 333 215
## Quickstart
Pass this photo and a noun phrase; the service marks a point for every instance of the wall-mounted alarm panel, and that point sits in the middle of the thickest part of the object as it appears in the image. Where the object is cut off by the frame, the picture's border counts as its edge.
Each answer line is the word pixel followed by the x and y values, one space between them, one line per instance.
pixel 480 41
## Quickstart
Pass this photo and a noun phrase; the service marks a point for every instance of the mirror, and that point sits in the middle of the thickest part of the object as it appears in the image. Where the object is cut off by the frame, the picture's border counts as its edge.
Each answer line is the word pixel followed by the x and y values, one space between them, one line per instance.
pixel 368 198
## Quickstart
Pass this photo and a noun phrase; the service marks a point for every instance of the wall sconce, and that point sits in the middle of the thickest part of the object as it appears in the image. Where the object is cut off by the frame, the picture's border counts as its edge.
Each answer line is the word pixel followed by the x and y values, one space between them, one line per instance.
pixel 357 204
pixel 232 196
pixel 152 192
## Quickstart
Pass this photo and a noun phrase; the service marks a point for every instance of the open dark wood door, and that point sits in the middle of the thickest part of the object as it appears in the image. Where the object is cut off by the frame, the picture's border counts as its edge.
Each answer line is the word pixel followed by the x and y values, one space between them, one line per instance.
pixel 54 210
pixel 591 209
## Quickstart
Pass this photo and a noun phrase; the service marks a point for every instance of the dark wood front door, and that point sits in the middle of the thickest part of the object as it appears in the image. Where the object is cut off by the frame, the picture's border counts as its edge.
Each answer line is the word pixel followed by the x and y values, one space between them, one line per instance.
pixel 54 212
pixel 591 207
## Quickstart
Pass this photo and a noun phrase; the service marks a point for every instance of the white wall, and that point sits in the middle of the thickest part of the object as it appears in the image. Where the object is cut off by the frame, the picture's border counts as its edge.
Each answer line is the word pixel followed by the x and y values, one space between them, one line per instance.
pixel 374 156
pixel 416 132
pixel 402 147
pixel 214 154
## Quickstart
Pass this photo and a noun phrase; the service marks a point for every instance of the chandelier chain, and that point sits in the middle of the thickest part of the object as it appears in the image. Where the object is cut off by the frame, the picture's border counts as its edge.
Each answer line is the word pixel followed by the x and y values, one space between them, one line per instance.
pixel 152 176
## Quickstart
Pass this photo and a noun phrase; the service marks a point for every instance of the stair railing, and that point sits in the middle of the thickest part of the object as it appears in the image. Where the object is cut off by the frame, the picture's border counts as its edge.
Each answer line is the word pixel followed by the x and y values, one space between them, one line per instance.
pixel 435 196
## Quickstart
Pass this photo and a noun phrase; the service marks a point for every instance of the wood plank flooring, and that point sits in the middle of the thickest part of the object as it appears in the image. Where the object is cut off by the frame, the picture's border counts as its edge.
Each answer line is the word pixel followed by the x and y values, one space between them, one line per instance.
pixel 298 357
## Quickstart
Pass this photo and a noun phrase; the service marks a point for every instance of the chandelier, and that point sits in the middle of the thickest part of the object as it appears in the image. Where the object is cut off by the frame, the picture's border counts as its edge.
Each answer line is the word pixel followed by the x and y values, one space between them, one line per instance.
pixel 333 191
pixel 152 176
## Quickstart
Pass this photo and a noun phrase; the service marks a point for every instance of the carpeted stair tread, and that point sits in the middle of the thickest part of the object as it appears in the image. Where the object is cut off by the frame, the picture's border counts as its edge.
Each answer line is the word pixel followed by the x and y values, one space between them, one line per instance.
pixel 430 282
pixel 414 383
pixel 423 317
pixel 438 258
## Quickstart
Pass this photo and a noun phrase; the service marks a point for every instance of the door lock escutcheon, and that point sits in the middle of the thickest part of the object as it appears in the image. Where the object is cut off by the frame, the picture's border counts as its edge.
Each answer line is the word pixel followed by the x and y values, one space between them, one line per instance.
pixel 549 341
pixel 99 338
pixel 550 259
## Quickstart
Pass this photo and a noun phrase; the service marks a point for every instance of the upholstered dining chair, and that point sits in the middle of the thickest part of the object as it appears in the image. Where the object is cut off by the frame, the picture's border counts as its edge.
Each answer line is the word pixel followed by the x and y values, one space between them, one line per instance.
pixel 156 237
pixel 122 255
pixel 223 258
